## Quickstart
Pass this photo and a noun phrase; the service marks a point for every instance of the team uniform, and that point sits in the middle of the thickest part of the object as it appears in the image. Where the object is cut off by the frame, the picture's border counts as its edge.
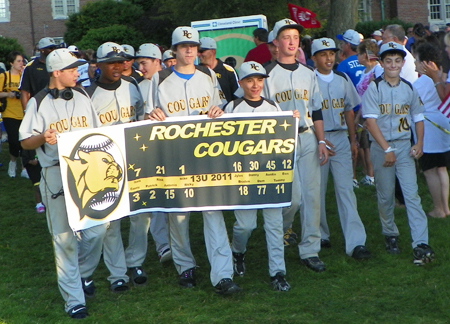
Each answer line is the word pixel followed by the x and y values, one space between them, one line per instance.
pixel 202 86
pixel 45 112
pixel 227 79
pixel 339 95
pixel 394 108
pixel 273 217
pixel 294 87
pixel 116 103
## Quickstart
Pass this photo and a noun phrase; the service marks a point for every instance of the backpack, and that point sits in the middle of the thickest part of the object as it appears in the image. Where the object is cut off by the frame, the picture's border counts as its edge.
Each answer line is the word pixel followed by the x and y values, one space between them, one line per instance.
pixel 3 101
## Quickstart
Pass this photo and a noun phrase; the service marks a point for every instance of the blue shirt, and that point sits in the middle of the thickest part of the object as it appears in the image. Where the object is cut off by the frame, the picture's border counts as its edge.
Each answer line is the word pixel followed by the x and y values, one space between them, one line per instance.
pixel 352 68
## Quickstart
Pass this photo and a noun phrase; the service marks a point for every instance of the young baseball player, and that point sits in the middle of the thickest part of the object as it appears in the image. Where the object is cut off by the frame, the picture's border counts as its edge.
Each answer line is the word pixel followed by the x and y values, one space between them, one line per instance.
pixel 339 98
pixel 58 109
pixel 169 59
pixel 389 105
pixel 294 87
pixel 186 81
pixel 128 69
pixel 117 100
pixel 251 80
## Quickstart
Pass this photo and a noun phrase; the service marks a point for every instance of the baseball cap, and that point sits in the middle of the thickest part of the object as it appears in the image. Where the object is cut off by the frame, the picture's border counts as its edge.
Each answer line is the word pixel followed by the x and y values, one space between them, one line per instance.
pixel 129 51
pixel 207 43
pixel 167 55
pixel 110 52
pixel 350 36
pixel 185 35
pixel 251 68
pixel 73 49
pixel 46 42
pixel 285 24
pixel 323 44
pixel 392 47
pixel 62 59
pixel 149 50
pixel 377 33
pixel 270 37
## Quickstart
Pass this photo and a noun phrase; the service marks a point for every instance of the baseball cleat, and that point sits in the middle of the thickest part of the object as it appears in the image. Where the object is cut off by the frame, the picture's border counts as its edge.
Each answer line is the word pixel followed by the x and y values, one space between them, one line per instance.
pixel 238 264
pixel 138 276
pixel 423 254
pixel 78 312
pixel 226 286
pixel 325 244
pixel 279 283
pixel 314 263
pixel 119 286
pixel 187 278
pixel 88 287
pixel 290 238
pixel 392 244
pixel 165 255
pixel 360 252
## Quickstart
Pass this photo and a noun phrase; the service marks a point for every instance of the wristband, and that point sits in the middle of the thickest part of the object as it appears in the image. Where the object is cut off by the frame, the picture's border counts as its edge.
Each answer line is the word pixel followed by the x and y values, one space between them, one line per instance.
pixel 438 83
pixel 322 142
pixel 390 149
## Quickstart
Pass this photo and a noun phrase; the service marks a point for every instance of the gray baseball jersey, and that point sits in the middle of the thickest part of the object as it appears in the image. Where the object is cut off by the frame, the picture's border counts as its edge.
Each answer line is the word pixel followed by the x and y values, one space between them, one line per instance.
pixel 293 90
pixel 392 107
pixel 245 106
pixel 339 96
pixel 199 94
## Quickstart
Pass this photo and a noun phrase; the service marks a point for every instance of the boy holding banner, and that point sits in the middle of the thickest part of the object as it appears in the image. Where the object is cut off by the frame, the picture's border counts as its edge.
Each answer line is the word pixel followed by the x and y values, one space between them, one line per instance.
pixel 251 80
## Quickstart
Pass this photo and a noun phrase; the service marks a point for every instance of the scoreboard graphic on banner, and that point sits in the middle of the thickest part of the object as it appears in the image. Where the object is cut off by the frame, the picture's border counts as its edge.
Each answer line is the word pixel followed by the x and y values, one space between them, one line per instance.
pixel 238 161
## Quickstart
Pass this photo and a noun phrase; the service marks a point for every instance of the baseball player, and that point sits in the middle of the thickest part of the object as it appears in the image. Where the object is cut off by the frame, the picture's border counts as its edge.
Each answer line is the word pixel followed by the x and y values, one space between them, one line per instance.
pixel 149 57
pixel 117 100
pixel 389 105
pixel 252 75
pixel 294 87
pixel 169 59
pixel 51 111
pixel 128 69
pixel 339 98
pixel 186 81
pixel 225 74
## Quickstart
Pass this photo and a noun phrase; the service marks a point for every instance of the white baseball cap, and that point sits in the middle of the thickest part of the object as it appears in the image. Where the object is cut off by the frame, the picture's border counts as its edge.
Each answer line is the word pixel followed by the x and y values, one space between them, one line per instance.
pixel 270 37
pixel 207 43
pixel 284 24
pixel 185 35
pixel 110 52
pixel 392 47
pixel 251 68
pixel 46 42
pixel 62 59
pixel 377 33
pixel 350 36
pixel 129 50
pixel 167 55
pixel 149 50
pixel 323 44
pixel 73 48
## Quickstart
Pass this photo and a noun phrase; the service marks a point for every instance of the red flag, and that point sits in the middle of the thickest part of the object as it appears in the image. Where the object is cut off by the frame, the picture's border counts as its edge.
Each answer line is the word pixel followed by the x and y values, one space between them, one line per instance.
pixel 444 107
pixel 303 16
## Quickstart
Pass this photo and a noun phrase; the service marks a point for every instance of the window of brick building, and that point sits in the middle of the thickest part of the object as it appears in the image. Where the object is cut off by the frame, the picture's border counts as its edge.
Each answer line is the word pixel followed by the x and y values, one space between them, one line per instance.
pixel 4 11
pixel 439 10
pixel 63 8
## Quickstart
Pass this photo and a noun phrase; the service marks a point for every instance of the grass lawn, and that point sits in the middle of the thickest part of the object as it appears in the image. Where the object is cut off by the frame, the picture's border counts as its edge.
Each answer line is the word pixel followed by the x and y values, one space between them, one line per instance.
pixel 384 289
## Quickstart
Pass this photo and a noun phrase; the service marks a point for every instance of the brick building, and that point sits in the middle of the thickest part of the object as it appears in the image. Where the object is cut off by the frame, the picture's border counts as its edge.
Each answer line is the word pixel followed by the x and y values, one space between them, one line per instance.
pixel 30 20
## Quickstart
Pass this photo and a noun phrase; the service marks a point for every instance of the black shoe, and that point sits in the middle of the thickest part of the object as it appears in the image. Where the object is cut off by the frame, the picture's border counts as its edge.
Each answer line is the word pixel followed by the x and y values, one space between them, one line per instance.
pixel 325 244
pixel 392 244
pixel 78 312
pixel 423 254
pixel 187 278
pixel 226 286
pixel 360 252
pixel 88 287
pixel 119 286
pixel 314 264
pixel 279 283
pixel 238 264
pixel 290 238
pixel 138 276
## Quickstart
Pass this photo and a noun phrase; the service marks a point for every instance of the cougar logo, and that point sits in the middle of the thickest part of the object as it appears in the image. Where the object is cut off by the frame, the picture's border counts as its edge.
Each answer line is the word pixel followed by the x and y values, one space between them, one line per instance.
pixel 254 67
pixel 95 176
pixel 187 34
pixel 326 43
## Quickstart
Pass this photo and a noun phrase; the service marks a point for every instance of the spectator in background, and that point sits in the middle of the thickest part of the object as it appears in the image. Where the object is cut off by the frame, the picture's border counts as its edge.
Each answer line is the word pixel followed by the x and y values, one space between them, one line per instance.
pixel 418 33
pixel 349 43
pixel 13 115
pixel 260 53
pixel 306 46
pixel 273 50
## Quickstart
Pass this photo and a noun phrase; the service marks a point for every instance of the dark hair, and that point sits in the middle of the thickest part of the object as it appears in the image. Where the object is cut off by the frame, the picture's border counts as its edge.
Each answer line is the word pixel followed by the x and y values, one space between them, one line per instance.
pixel 173 48
pixel 306 46
pixel 419 30
pixel 428 52
pixel 12 56
pixel 261 34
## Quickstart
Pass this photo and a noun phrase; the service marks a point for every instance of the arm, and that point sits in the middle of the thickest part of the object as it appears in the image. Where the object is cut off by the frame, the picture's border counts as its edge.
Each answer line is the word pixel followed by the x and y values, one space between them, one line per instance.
pixel 417 149
pixel 372 127
pixel 435 73
pixel 24 98
pixel 349 119
pixel 33 142
pixel 323 152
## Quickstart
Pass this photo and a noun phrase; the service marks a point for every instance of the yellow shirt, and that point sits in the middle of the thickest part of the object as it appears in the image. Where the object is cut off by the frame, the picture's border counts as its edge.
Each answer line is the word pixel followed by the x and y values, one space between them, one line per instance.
pixel 14 106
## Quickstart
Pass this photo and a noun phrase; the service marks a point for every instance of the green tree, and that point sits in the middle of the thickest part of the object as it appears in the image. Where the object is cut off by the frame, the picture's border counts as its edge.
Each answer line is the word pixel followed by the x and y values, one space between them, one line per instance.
pixel 120 34
pixel 100 14
pixel 8 45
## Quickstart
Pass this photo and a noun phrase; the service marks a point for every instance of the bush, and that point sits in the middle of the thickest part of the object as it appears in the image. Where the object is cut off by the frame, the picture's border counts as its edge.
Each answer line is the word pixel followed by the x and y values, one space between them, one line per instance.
pixel 120 34
pixel 8 45
pixel 368 27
